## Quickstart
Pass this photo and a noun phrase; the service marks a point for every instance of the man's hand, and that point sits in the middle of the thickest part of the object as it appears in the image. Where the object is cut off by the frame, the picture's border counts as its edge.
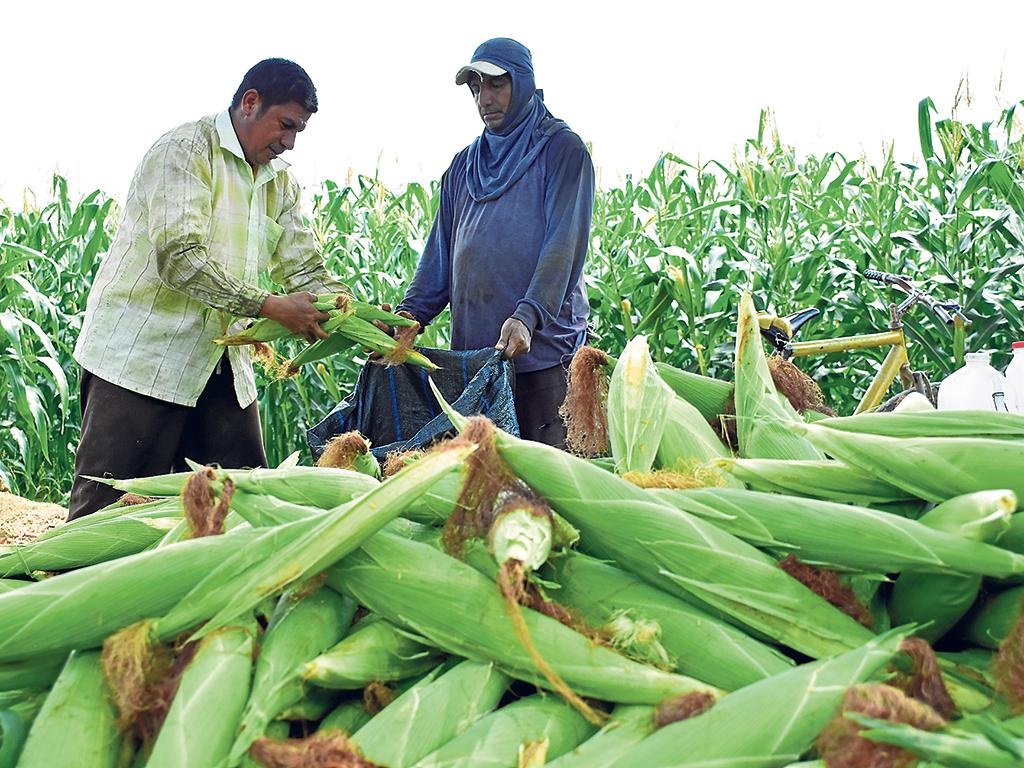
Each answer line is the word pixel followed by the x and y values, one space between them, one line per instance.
pixel 295 311
pixel 514 339
pixel 390 329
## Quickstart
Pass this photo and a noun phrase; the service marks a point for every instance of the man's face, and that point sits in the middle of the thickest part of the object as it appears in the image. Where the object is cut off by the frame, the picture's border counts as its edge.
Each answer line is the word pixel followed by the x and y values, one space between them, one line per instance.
pixel 267 132
pixel 493 95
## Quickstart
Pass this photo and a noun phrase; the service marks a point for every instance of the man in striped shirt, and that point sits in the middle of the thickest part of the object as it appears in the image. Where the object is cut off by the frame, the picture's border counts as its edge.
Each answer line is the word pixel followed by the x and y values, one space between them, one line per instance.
pixel 210 208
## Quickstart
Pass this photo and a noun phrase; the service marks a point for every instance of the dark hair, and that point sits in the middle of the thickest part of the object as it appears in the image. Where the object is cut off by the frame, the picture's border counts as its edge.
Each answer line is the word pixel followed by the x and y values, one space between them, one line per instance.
pixel 278 81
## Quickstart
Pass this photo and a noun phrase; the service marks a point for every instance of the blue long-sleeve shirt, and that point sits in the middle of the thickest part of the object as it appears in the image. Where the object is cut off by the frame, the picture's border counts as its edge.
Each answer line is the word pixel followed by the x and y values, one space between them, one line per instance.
pixel 520 255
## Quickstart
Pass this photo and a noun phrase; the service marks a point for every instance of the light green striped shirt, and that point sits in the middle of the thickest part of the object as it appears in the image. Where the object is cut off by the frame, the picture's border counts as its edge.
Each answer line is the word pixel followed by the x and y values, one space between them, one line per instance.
pixel 198 229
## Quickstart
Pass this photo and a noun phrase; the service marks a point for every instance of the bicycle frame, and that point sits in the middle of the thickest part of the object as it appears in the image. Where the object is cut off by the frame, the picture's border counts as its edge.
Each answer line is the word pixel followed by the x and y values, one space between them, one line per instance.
pixel 896 362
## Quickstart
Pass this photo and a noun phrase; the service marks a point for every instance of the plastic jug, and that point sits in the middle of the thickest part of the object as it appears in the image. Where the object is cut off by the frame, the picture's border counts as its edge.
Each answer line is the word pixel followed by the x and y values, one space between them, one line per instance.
pixel 1015 379
pixel 975 387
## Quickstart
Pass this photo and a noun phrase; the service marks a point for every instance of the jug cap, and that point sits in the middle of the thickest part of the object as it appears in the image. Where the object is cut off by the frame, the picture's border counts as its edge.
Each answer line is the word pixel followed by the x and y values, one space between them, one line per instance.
pixel 1017 345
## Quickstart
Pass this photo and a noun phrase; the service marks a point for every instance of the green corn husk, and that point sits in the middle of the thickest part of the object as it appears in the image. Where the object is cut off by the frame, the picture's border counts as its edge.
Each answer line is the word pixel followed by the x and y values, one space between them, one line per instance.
pixel 127 534
pixel 847 537
pixel 992 424
pixel 394 577
pixel 949 749
pixel 348 717
pixel 370 312
pixel 8 585
pixel 678 552
pixel 262 330
pixel 262 511
pixel 1012 539
pixel 301 629
pixel 369 336
pixel 497 740
pixel 770 723
pixel 286 554
pixel 79 609
pixel 77 724
pixel 314 705
pixel 688 440
pixel 708 395
pixel 943 599
pixel 430 714
pixel 994 617
pixel 277 731
pixel 931 468
pixel 321 348
pixel 764 419
pixel 701 645
pixel 208 705
pixel 637 402
pixel 12 737
pixel 26 704
pixel 629 725
pixel 824 479
pixel 375 650
pixel 34 672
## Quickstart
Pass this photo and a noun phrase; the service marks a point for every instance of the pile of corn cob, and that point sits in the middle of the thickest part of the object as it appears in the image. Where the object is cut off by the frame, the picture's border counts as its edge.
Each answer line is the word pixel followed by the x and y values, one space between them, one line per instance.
pixel 497 602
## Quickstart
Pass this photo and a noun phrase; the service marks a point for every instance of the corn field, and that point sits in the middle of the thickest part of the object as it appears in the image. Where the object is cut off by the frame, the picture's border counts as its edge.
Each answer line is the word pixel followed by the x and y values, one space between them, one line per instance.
pixel 671 254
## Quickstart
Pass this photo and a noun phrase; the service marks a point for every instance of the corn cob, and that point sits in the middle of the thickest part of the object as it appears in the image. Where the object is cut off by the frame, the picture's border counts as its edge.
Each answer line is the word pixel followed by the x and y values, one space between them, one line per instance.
pixel 938 601
pixel 430 714
pixel 991 424
pixel 76 725
pixel 702 646
pixel 687 440
pixel 846 536
pixel 637 401
pixel 391 575
pixel 763 417
pixel 499 739
pixel 302 628
pixel 708 395
pixel 375 650
pixel 769 723
pixel 628 726
pixel 204 716
pixel 993 618
pixel 80 608
pixel 825 479
pixel 371 337
pixel 932 468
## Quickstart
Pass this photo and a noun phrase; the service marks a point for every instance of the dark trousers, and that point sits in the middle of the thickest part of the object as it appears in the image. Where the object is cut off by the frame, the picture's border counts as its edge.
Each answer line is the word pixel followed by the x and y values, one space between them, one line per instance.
pixel 539 395
pixel 125 434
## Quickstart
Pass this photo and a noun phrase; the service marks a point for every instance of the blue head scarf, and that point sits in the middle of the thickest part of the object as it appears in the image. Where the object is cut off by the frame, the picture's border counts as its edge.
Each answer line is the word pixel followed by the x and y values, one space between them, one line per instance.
pixel 497 159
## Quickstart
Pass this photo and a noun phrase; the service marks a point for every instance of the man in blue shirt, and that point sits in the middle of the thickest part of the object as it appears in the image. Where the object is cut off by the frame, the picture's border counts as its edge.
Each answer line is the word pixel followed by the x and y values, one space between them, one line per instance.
pixel 507 247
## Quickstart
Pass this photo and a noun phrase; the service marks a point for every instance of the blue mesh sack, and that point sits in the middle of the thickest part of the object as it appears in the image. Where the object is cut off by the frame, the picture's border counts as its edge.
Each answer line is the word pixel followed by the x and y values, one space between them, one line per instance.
pixel 395 409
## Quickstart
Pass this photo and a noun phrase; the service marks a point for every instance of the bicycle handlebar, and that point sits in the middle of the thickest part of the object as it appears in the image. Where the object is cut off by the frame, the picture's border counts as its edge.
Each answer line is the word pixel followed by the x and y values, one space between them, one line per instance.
pixel 946 311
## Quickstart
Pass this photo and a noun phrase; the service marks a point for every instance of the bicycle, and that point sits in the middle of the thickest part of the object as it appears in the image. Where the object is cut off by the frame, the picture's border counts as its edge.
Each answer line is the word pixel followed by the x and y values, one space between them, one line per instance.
pixel 779 331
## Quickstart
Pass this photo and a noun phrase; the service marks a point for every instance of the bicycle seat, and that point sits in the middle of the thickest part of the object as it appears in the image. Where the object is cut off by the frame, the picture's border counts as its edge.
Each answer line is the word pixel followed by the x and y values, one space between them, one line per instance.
pixel 780 330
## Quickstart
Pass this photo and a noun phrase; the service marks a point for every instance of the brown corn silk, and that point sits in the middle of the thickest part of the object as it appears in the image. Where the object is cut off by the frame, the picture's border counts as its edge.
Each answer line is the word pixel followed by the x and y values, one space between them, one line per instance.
pixel 274 365
pixel 683 707
pixel 404 338
pixel 925 681
pixel 134 499
pixel 376 696
pixel 841 745
pixel 586 402
pixel 801 390
pixel 203 510
pixel 396 461
pixel 1008 666
pixel 699 476
pixel 829 585
pixel 321 750
pixel 341 451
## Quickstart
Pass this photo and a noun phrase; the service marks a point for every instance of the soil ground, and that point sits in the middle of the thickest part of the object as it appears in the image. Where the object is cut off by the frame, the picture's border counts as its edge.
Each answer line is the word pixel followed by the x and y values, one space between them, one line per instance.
pixel 22 520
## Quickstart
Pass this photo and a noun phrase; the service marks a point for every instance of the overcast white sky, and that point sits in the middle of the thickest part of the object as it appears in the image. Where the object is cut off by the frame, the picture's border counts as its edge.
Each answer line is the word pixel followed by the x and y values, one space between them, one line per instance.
pixel 88 86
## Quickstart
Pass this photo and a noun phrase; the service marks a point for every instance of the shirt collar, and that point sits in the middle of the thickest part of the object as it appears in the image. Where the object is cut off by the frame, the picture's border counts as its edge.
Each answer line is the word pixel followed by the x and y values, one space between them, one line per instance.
pixel 229 141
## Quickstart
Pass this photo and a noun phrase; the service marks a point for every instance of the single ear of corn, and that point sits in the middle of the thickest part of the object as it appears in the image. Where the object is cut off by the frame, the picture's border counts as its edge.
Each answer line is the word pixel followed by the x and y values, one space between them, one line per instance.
pixel 430 714
pixel 289 553
pixel 207 707
pixel 991 424
pixel 993 619
pixel 375 650
pixel 628 726
pixel 262 330
pixel 77 724
pixel 370 337
pixel 845 536
pixel 261 511
pixel 936 601
pixel 348 717
pixel 932 468
pixel 301 629
pixel 822 479
pixel 955 749
pixel 708 395
pixel 128 533
pixel 769 723
pixel 497 740
pixel 391 576
pixel 637 401
pixel 688 440
pixel 79 609
pixel 763 418
pixel 30 673
pixel 702 645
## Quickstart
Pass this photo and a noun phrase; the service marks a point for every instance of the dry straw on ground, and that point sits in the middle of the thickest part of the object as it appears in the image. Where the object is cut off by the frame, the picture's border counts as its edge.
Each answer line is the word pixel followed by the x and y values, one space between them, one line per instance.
pixel 22 520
